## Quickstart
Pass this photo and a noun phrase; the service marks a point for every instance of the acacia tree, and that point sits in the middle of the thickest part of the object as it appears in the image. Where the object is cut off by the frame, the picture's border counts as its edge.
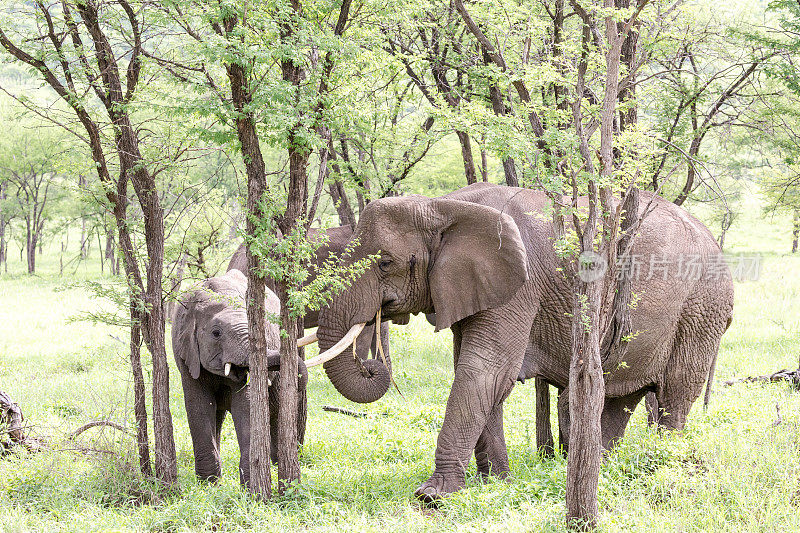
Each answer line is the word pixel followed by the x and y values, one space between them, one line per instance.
pixel 29 156
pixel 255 52
pixel 581 141
pixel 88 52
pixel 777 113
pixel 708 83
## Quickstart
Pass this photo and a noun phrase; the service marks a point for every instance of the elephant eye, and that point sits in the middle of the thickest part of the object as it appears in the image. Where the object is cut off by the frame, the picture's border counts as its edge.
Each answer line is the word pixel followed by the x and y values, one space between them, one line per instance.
pixel 384 264
pixel 216 333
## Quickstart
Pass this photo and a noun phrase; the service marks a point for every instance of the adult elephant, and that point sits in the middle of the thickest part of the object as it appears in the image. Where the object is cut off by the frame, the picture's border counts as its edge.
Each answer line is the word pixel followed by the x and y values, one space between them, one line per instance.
pixel 378 375
pixel 210 343
pixel 482 258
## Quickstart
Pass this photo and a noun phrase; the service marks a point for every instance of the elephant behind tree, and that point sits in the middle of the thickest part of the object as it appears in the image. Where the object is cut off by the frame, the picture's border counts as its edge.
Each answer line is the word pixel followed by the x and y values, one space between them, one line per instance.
pixel 210 343
pixel 484 261
pixel 379 375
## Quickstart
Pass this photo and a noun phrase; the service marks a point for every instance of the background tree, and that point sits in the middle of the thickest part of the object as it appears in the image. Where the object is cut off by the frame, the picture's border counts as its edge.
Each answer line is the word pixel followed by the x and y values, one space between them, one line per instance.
pixel 71 45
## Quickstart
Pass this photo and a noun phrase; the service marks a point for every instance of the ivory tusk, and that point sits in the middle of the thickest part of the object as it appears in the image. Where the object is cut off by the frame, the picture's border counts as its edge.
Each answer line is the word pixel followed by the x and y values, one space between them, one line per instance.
pixel 308 339
pixel 227 368
pixel 337 348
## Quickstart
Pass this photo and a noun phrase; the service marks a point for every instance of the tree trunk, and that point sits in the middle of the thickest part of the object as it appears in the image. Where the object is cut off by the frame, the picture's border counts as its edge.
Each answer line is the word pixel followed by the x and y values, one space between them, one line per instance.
pixel 466 155
pixel 101 255
pixel 84 237
pixel 31 249
pixel 795 230
pixel 484 163
pixel 139 405
pixel 586 396
pixel 342 204
pixel 260 476
pixel 544 434
pixel 3 223
pixel 499 108
pixel 289 222
pixel 110 253
pixel 2 240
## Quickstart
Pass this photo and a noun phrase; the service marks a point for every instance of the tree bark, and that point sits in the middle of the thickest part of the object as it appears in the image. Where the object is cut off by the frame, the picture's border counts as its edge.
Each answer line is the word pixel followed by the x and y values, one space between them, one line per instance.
pixel 466 155
pixel 109 253
pixel 260 475
pixel 289 222
pixel 586 397
pixel 795 230
pixel 544 434
pixel 31 250
pixel 139 405
pixel 499 108
pixel 132 167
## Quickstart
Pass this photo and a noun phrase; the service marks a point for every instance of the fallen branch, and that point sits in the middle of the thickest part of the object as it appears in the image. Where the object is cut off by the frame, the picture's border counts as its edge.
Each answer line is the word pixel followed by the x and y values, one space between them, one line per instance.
pixel 11 415
pixel 792 376
pixel 96 423
pixel 348 412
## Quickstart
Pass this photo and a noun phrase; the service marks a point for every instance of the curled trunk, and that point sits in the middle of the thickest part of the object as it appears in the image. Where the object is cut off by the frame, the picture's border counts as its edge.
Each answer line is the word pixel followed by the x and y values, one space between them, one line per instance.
pixel 357 378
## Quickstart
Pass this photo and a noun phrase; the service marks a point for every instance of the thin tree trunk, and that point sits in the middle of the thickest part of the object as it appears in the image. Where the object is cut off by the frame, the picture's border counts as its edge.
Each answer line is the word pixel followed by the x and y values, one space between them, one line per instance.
pixel 139 406
pixel 466 155
pixel 795 230
pixel 101 254
pixel 499 108
pixel 3 224
pixel 31 249
pixel 544 434
pixel 341 203
pixel 110 252
pixel 84 237
pixel 586 396
pixel 289 222
pixel 260 476
pixel 484 162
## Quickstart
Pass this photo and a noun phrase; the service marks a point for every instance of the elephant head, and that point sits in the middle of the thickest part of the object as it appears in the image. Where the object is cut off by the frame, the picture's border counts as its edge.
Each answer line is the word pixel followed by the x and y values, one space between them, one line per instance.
pixel 210 328
pixel 455 257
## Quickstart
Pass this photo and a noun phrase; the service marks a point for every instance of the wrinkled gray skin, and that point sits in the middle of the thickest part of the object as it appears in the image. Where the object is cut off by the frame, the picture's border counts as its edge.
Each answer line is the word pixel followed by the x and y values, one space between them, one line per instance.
pixel 378 376
pixel 209 329
pixel 484 262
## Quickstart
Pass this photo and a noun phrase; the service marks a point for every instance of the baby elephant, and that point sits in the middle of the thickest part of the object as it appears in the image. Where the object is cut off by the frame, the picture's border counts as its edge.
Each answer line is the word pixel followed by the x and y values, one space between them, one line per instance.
pixel 210 342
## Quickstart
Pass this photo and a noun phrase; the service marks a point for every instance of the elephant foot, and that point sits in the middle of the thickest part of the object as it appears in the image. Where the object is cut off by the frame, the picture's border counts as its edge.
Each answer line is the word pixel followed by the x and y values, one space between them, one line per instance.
pixel 438 486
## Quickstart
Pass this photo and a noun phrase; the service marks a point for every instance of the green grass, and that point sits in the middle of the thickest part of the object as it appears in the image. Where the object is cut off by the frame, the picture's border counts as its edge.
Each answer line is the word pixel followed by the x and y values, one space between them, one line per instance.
pixel 732 469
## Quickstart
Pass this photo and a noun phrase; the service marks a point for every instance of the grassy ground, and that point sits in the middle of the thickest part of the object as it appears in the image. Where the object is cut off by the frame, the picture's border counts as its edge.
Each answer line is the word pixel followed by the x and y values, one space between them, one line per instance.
pixel 734 468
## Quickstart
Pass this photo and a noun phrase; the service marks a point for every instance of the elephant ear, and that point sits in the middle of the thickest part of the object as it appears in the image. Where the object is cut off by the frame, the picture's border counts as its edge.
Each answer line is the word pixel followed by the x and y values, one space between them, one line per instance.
pixel 479 260
pixel 184 333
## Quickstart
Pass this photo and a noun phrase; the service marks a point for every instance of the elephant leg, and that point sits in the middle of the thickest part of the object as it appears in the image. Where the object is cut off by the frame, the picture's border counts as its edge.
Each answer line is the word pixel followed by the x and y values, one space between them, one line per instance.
pixel 616 414
pixel 201 413
pixel 693 353
pixel 489 361
pixel 240 412
pixel 653 411
pixel 544 433
pixel 218 433
pixel 563 419
pixel 491 456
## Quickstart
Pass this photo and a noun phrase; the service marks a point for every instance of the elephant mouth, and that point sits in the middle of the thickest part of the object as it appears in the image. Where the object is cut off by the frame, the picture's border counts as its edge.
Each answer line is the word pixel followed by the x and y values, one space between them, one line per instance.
pixel 235 372
pixel 388 311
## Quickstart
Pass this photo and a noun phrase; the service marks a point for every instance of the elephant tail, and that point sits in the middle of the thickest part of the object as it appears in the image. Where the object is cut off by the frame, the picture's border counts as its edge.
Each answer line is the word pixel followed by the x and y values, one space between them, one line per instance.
pixel 710 381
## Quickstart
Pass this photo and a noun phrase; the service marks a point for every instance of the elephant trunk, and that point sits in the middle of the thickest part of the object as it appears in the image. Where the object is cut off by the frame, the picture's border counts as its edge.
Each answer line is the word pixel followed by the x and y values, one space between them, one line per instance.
pixel 355 376
pixel 358 380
